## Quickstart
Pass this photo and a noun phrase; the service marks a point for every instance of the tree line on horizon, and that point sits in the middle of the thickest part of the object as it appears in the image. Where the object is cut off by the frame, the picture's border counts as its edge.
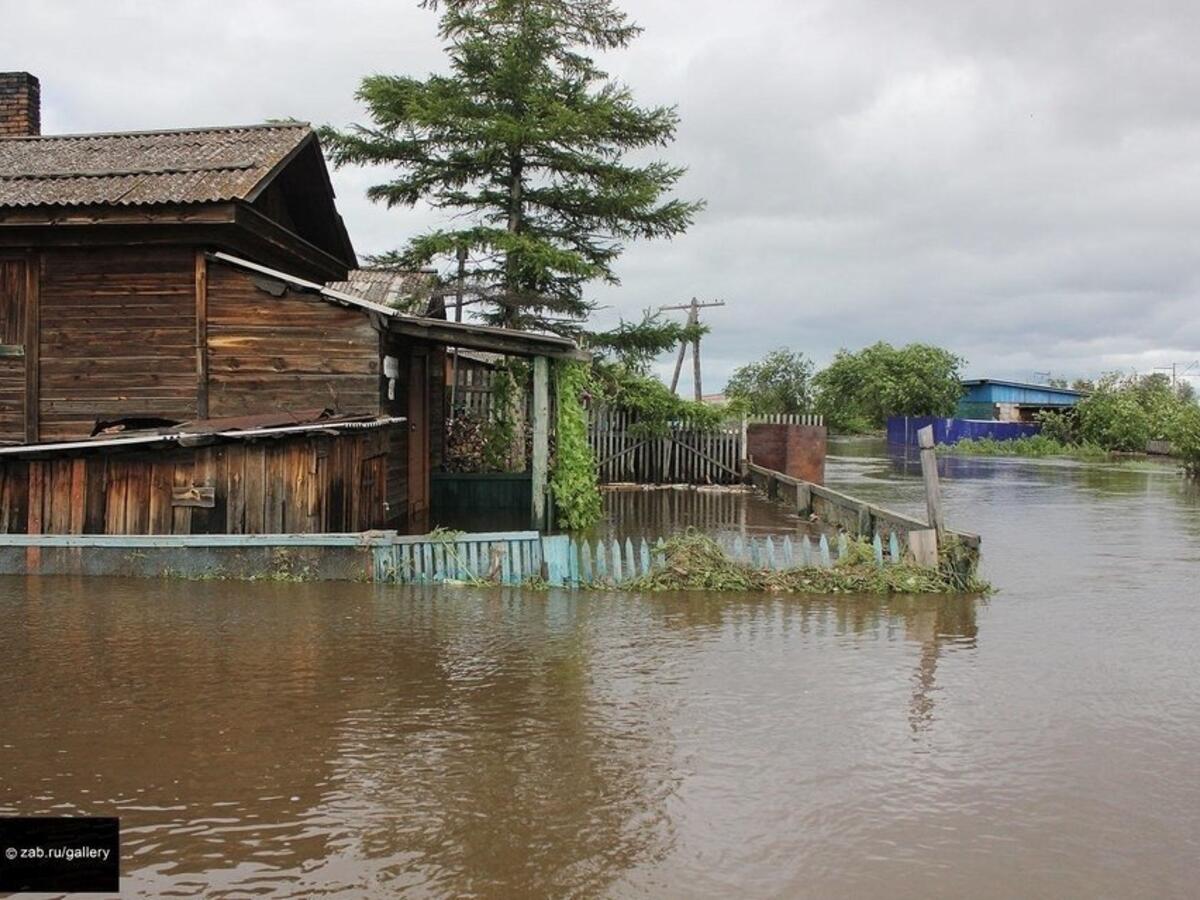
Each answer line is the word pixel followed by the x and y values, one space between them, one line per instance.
pixel 857 391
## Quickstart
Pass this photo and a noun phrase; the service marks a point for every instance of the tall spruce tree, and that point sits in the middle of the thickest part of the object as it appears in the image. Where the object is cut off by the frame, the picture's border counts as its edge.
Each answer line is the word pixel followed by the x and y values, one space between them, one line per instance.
pixel 524 142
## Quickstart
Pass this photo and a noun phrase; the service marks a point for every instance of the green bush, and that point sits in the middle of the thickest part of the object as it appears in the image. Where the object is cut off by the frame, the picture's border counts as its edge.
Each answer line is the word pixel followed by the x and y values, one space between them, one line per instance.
pixel 1127 412
pixel 1185 437
pixel 858 391
pixel 1036 446
pixel 1061 426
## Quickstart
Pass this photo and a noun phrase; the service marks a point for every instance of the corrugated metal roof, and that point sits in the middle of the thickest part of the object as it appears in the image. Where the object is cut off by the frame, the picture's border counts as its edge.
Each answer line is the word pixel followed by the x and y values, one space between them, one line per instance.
pixel 481 356
pixel 235 428
pixel 978 382
pixel 406 291
pixel 459 334
pixel 133 168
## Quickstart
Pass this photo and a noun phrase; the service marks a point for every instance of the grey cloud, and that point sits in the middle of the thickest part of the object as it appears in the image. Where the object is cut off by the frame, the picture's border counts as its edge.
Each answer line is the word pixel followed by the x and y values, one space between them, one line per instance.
pixel 1016 181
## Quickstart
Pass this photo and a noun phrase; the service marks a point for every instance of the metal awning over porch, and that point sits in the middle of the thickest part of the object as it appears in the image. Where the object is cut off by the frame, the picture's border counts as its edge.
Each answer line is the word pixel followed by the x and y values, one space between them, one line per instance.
pixel 508 341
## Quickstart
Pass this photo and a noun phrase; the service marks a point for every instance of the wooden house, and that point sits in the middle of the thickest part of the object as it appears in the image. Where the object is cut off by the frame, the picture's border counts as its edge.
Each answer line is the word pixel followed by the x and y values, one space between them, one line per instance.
pixel 171 359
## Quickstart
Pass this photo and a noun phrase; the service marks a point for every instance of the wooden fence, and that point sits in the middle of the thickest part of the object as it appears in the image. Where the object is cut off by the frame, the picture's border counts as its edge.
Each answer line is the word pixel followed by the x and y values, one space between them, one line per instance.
pixel 856 517
pixel 685 454
pixel 514 558
pixel 500 558
pixel 474 394
pixel 788 419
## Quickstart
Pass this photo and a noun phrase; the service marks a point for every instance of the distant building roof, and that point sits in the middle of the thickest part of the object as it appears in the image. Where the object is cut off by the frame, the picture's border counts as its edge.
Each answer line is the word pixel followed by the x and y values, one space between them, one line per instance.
pixel 406 291
pixel 198 165
pixel 979 382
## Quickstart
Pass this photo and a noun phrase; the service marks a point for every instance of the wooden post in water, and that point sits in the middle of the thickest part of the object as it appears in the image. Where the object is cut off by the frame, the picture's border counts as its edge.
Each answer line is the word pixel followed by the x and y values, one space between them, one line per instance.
pixel 541 438
pixel 933 492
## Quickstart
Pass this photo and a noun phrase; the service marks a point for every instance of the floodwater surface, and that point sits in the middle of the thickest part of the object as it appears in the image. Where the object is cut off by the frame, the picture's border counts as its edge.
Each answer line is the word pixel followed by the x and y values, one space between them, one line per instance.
pixel 348 740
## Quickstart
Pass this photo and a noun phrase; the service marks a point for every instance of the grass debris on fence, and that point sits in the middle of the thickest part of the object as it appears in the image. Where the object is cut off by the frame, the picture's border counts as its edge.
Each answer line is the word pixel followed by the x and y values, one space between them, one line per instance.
pixel 694 561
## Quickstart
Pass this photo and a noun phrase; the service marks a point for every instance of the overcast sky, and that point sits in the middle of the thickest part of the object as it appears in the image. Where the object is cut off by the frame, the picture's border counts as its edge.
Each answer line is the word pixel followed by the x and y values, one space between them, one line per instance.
pixel 1017 181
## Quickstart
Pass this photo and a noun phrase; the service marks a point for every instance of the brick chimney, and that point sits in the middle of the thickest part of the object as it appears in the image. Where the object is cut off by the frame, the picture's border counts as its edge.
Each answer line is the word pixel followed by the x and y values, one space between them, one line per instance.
pixel 20 105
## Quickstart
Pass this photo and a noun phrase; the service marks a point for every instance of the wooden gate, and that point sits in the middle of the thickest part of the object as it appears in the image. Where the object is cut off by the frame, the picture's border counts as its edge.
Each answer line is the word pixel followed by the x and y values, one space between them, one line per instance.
pixel 683 455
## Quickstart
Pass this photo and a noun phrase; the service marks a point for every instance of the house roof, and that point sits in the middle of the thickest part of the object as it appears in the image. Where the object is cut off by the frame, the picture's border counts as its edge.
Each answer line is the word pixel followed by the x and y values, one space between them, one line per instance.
pixel 400 289
pixel 197 165
pixel 454 334
pixel 979 382
pixel 482 356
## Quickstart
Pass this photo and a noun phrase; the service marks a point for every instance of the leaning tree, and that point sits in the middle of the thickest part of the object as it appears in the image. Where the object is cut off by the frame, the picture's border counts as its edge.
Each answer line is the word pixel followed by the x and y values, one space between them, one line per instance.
pixel 524 145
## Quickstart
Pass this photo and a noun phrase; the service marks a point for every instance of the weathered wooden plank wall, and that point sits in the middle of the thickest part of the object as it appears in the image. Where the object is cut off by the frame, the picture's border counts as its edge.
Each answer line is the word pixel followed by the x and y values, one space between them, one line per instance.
pixel 473 393
pixel 291 351
pixel 117 337
pixel 13 310
pixel 302 484
pixel 12 399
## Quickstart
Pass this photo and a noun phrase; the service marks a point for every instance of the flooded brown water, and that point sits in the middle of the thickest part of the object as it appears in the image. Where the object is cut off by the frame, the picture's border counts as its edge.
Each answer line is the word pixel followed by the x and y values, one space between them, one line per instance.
pixel 346 740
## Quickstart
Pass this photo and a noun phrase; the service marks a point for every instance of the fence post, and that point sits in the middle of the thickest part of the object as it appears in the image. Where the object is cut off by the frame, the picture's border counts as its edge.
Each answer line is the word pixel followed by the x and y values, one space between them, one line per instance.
pixel 933 493
pixel 744 452
pixel 541 437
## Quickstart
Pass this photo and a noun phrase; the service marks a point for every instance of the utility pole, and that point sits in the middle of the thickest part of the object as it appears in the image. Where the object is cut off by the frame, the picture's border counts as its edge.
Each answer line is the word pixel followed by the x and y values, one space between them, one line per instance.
pixel 693 311
pixel 1178 370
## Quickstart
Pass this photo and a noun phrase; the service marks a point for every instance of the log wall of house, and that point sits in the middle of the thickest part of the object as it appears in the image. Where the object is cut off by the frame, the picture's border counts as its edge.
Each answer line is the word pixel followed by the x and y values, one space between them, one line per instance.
pixel 117 337
pixel 13 335
pixel 287 352
pixel 12 399
pixel 302 484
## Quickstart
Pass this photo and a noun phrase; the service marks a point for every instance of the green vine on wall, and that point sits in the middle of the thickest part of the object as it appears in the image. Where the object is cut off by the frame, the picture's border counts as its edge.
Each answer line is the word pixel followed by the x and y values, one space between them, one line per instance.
pixel 574 482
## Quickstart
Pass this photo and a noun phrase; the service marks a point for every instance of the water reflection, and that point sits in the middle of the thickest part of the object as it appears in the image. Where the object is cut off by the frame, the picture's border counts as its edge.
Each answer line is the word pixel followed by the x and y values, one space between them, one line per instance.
pixel 287 740
pixel 350 740
pixel 657 512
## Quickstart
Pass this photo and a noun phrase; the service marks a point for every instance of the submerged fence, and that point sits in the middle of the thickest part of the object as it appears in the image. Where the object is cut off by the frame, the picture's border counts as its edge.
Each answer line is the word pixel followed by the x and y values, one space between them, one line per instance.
pixel 514 558
pixel 685 454
pixel 504 558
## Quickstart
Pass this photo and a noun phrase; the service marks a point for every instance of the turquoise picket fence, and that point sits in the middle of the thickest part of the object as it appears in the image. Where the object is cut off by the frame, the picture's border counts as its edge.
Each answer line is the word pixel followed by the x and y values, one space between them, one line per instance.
pixel 513 558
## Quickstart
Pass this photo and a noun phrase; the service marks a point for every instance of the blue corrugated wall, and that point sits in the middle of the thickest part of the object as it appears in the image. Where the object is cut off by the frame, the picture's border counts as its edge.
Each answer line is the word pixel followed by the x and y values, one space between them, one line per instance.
pixel 903 429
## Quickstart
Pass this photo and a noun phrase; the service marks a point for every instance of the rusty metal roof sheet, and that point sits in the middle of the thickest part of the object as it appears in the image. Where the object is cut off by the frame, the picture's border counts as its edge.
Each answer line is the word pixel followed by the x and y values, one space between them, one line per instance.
pixel 134 168
pixel 406 291
pixel 234 428
pixel 452 334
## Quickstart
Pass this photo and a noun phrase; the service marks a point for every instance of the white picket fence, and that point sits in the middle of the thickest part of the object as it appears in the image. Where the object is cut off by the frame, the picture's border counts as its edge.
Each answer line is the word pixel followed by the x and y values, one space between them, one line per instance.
pixel 513 558
pixel 788 419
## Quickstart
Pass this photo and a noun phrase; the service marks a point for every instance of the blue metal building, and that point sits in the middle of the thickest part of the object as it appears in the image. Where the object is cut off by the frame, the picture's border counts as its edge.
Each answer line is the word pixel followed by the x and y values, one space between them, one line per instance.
pixel 1012 401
